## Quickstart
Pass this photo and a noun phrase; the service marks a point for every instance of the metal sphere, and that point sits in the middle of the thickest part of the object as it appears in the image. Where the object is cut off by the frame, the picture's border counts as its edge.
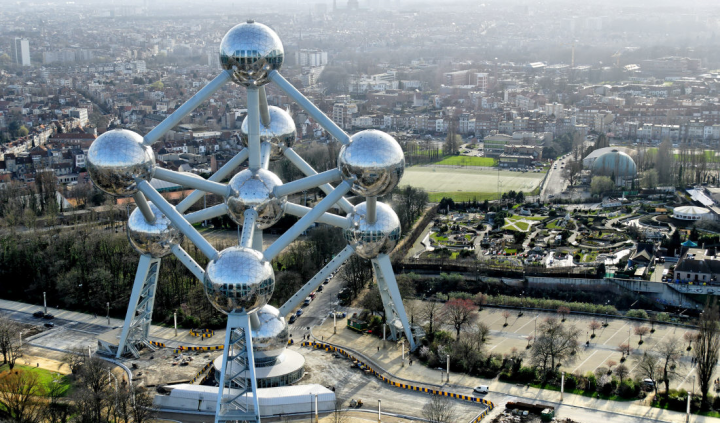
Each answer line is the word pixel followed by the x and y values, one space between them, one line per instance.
pixel 372 239
pixel 271 337
pixel 251 50
pixel 116 158
pixel 374 160
pixel 157 238
pixel 253 190
pixel 239 279
pixel 281 132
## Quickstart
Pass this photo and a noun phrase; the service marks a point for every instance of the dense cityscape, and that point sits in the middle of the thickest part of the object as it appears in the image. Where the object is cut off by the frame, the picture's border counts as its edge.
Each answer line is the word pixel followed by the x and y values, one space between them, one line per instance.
pixel 345 210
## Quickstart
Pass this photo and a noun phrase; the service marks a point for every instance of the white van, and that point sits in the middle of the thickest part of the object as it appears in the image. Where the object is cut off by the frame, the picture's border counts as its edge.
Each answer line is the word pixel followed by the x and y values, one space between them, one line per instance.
pixel 482 389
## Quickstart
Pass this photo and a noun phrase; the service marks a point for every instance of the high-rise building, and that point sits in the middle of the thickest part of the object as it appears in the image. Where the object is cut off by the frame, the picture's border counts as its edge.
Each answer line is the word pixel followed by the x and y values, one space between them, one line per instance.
pixel 311 57
pixel 21 51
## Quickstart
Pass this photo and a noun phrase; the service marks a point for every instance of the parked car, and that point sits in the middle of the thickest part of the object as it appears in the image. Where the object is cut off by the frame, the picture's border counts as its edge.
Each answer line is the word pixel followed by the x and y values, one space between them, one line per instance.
pixel 482 389
pixel 38 314
pixel 49 325
pixel 307 301
pixel 320 288
pixel 292 319
pixel 313 294
pixel 299 312
pixel 327 281
pixel 48 316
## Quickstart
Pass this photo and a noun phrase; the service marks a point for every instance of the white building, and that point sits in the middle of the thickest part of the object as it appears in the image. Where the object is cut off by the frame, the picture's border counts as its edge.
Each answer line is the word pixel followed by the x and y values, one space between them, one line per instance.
pixel 21 51
pixel 311 57
pixel 691 213
pixel 481 81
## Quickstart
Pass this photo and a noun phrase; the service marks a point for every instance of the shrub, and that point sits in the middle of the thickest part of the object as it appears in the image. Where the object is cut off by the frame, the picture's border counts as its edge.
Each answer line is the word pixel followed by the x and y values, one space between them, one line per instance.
pixel 591 383
pixel 570 382
pixel 639 314
pixel 628 389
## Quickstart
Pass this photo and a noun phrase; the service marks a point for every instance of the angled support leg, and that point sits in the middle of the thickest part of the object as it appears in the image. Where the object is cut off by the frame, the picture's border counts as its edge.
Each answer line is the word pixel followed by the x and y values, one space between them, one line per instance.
pixel 392 299
pixel 139 313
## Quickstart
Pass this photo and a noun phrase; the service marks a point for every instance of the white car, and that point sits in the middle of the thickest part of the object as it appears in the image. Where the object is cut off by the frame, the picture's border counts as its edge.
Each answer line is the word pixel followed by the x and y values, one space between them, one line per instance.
pixel 482 389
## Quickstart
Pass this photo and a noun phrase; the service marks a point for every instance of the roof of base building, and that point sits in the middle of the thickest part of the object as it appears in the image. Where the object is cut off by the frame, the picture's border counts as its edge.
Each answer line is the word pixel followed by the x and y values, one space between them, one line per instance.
pixel 600 151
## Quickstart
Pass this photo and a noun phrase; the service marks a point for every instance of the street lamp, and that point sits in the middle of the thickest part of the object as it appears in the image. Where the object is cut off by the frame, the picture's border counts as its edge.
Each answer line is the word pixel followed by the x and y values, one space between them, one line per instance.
pixel 108 312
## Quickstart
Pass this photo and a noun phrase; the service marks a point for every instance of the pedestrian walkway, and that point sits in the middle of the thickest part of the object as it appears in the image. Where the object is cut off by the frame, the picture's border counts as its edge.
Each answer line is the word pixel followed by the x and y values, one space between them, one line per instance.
pixel 386 355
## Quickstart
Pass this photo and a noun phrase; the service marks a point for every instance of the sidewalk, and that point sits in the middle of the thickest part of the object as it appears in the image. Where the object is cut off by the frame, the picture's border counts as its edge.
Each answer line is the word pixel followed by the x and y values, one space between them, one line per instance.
pixel 165 335
pixel 389 358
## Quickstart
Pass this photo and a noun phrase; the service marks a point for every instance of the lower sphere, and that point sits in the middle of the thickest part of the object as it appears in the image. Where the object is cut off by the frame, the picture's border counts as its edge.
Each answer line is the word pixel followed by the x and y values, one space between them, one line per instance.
pixel 239 279
pixel 372 239
pixel 271 336
pixel 157 238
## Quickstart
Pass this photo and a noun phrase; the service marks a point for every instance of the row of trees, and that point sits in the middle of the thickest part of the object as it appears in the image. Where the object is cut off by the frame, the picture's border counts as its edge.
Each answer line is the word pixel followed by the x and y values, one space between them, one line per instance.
pixel 98 396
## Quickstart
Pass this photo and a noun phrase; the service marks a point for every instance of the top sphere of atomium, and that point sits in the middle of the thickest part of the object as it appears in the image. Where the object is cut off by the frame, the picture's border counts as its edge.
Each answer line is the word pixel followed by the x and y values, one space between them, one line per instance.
pixel 372 239
pixel 239 279
pixel 157 238
pixel 280 133
pixel 254 190
pixel 374 160
pixel 116 158
pixel 251 51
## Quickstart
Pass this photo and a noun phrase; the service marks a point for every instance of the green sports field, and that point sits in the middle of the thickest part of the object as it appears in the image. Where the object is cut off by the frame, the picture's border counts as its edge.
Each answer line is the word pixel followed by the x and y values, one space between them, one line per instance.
pixel 468 183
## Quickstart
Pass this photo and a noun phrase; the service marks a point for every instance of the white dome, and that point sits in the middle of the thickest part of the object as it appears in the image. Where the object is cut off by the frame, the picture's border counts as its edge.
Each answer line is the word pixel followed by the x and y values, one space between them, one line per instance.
pixel 690 213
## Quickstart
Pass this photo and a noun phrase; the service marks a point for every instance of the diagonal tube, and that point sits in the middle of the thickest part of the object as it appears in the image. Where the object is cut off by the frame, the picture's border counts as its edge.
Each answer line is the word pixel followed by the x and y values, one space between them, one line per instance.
pixel 316 280
pixel 305 168
pixel 144 207
pixel 206 214
pixel 264 110
pixel 309 182
pixel 265 151
pixel 189 262
pixel 187 108
pixel 327 218
pixel 190 181
pixel 218 176
pixel 309 107
pixel 305 222
pixel 177 219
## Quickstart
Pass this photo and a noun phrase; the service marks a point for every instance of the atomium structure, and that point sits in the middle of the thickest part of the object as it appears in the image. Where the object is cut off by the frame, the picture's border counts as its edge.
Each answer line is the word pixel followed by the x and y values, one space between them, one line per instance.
pixel 239 281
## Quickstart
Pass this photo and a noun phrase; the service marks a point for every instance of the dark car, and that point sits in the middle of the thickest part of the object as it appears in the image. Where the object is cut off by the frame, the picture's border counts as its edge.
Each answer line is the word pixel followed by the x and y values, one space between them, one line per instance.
pixel 292 319
pixel 320 288
pixel 49 325
pixel 48 316
pixel 38 314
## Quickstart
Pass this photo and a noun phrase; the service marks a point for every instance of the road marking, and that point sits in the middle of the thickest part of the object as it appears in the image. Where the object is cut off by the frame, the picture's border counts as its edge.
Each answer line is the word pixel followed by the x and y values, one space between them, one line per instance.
pixel 613 335
pixel 580 365
pixel 530 321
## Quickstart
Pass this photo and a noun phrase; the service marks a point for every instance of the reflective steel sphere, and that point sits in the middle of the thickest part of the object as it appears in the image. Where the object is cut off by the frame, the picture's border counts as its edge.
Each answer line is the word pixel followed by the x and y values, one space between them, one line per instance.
pixel 375 159
pixel 250 189
pixel 371 240
pixel 239 279
pixel 271 337
pixel 116 158
pixel 251 50
pixel 281 131
pixel 156 239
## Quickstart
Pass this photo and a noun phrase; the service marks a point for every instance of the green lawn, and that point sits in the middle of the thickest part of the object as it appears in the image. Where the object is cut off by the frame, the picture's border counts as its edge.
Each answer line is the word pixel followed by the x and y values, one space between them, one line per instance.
pixel 468 183
pixel 45 377
pixel 514 225
pixel 439 238
pixel 468 161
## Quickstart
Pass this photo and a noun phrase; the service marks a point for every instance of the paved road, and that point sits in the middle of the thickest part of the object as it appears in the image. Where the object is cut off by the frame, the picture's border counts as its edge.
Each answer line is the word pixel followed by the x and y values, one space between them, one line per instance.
pixel 554 185
pixel 27 318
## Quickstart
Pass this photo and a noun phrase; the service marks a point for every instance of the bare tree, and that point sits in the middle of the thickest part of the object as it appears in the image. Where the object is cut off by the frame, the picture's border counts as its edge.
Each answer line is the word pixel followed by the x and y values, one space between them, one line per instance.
pixel 594 325
pixel 459 312
pixel 670 352
pixel 563 312
pixel 707 348
pixel 554 343
pixel 143 408
pixel 9 339
pixel 482 332
pixel 439 409
pixel 431 314
pixel 689 337
pixel 505 314
pixel 622 372
pixel 641 331
pixel 648 366
pixel 624 349
pixel 18 396
pixel 339 414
